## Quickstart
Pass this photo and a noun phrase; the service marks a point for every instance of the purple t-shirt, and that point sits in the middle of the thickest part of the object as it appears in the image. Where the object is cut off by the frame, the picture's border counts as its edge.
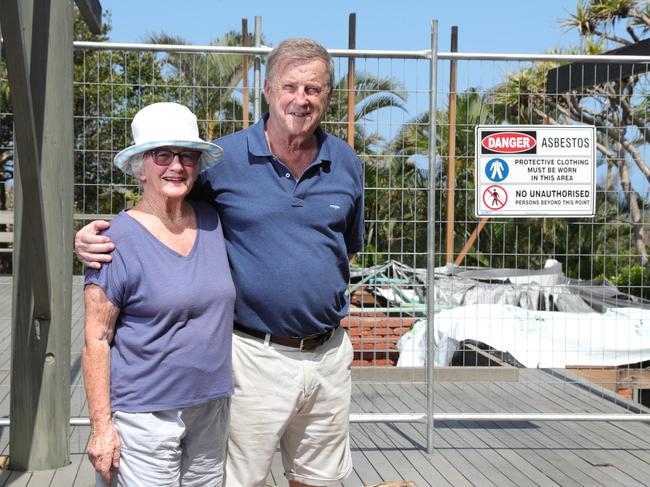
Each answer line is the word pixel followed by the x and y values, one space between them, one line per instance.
pixel 172 343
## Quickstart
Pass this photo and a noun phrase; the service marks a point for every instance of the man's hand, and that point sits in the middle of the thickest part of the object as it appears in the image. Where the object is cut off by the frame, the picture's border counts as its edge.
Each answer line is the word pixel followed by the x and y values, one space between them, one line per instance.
pixel 93 249
pixel 104 451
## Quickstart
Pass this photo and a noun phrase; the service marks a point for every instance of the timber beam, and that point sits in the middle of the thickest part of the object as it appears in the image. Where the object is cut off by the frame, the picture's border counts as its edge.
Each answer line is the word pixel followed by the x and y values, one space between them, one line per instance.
pixel 91 11
pixel 27 146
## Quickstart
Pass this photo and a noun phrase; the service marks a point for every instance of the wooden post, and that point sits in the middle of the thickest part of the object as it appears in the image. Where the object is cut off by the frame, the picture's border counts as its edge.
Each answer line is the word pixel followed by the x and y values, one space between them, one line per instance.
pixel 244 79
pixel 43 128
pixel 352 44
pixel 470 241
pixel 91 12
pixel 27 143
pixel 451 163
pixel 257 72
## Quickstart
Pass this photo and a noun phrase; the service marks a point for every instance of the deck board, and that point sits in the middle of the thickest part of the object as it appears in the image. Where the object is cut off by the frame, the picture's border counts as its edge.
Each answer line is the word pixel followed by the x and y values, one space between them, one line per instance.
pixel 553 472
pixel 85 475
pixel 609 462
pixel 534 475
pixel 18 479
pixel 41 477
pixel 66 476
pixel 466 453
pixel 508 472
pixel 469 463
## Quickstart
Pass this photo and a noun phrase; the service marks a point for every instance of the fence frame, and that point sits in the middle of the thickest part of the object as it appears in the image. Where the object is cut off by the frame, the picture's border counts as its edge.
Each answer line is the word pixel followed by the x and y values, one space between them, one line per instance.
pixel 434 57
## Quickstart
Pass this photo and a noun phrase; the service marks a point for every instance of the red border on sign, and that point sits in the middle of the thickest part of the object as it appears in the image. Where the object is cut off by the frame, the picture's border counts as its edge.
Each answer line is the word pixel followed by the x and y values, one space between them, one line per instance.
pixel 488 190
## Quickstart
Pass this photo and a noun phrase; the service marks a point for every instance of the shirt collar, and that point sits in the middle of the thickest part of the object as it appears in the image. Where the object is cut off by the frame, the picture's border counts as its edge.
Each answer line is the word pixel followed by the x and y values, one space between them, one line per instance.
pixel 258 146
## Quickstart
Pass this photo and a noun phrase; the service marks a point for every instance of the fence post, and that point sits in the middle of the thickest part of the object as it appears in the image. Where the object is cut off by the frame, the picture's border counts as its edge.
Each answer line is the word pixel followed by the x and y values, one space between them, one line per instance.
pixel 431 229
pixel 451 163
pixel 352 44
pixel 244 74
pixel 257 80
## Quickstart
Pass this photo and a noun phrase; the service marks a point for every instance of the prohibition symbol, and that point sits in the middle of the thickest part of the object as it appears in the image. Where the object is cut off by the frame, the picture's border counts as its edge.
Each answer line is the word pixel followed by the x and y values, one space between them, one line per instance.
pixel 495 197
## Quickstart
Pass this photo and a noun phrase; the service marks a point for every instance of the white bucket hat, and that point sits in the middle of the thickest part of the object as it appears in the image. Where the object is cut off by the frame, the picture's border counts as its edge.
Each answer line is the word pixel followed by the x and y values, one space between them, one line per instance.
pixel 166 124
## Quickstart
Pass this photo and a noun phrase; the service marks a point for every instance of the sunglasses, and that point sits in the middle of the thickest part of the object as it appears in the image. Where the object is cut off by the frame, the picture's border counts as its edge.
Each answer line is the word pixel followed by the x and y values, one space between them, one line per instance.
pixel 164 157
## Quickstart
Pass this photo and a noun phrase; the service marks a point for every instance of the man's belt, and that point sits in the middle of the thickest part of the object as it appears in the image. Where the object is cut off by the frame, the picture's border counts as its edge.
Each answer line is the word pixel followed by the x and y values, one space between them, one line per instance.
pixel 309 342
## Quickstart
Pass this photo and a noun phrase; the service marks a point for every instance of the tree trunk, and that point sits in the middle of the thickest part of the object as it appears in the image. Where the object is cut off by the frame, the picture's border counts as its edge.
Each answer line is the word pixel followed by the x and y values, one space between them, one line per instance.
pixel 635 211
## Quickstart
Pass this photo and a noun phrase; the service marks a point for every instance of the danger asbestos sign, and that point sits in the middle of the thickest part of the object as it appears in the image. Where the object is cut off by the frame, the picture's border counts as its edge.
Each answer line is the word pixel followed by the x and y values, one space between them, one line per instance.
pixel 535 170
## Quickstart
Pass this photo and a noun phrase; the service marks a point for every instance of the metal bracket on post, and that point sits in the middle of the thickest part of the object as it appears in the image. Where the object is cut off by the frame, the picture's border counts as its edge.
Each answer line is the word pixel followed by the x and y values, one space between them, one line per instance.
pixel 431 230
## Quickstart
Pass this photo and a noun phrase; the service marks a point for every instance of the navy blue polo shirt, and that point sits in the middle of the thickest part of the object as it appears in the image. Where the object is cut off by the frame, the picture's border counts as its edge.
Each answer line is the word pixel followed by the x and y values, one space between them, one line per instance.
pixel 287 240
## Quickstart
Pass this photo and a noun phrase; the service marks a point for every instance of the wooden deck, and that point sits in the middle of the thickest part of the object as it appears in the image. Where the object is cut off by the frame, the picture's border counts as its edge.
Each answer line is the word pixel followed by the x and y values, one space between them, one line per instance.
pixel 467 453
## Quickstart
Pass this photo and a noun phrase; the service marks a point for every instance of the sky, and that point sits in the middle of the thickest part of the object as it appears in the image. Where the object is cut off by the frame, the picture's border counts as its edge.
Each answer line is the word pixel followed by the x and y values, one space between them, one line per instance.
pixel 497 26
pixel 512 26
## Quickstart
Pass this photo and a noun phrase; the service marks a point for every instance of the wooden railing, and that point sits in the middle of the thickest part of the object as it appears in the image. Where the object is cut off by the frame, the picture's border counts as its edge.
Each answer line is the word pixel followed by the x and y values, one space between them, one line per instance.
pixel 7 224
pixel 6 231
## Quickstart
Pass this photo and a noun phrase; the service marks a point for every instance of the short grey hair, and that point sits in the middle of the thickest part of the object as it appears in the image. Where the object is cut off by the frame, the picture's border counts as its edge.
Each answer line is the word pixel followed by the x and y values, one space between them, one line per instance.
pixel 298 49
pixel 135 164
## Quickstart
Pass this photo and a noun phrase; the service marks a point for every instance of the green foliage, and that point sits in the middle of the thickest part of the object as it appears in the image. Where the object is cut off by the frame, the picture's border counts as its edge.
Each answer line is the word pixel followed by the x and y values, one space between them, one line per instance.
pixel 6 154
pixel 371 95
pixel 218 105
pixel 109 88
pixel 396 211
pixel 584 246
pixel 6 134
pixel 632 279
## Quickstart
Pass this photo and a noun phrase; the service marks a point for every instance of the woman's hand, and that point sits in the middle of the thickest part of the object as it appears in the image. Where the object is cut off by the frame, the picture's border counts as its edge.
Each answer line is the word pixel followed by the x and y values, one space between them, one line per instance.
pixel 104 450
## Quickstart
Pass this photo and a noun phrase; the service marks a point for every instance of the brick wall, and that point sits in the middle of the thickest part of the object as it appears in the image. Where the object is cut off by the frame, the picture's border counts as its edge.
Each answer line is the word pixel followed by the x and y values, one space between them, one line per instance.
pixel 373 334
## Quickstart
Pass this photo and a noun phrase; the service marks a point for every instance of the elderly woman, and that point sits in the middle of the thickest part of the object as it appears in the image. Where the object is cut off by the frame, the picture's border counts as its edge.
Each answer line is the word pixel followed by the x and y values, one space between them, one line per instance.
pixel 158 323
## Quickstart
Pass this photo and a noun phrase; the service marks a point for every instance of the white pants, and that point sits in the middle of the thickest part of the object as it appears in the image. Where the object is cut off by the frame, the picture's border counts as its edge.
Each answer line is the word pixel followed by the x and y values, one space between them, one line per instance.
pixel 178 447
pixel 297 400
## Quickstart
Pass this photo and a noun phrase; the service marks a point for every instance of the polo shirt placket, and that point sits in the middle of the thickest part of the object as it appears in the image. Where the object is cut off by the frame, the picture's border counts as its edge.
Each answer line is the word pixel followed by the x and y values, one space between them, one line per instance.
pixel 297 188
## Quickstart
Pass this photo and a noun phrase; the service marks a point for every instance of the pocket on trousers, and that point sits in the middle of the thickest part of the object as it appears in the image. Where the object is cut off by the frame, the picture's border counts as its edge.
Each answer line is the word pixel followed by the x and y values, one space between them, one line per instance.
pixel 157 433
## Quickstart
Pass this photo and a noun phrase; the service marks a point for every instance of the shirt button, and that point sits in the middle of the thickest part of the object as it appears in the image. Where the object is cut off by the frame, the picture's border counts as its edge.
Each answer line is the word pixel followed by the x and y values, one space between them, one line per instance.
pixel 287 175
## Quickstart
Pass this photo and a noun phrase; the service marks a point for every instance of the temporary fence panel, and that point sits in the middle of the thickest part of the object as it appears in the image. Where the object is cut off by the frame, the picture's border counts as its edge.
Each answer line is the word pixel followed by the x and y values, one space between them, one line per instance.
pixel 390 136
pixel 524 308
pixel 549 269
pixel 561 302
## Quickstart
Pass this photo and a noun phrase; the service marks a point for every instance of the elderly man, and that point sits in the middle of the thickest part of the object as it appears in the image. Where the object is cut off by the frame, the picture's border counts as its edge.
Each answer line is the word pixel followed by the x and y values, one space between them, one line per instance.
pixel 290 198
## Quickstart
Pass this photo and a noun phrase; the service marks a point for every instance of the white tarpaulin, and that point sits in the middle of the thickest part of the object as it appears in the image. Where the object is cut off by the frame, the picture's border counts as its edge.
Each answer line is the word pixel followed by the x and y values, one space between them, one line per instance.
pixel 550 339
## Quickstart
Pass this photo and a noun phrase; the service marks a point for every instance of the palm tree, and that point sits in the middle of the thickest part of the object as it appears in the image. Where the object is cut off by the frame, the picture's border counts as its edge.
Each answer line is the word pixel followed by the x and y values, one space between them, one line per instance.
pixel 614 107
pixel 371 95
pixel 207 82
pixel 109 88
pixel 405 168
